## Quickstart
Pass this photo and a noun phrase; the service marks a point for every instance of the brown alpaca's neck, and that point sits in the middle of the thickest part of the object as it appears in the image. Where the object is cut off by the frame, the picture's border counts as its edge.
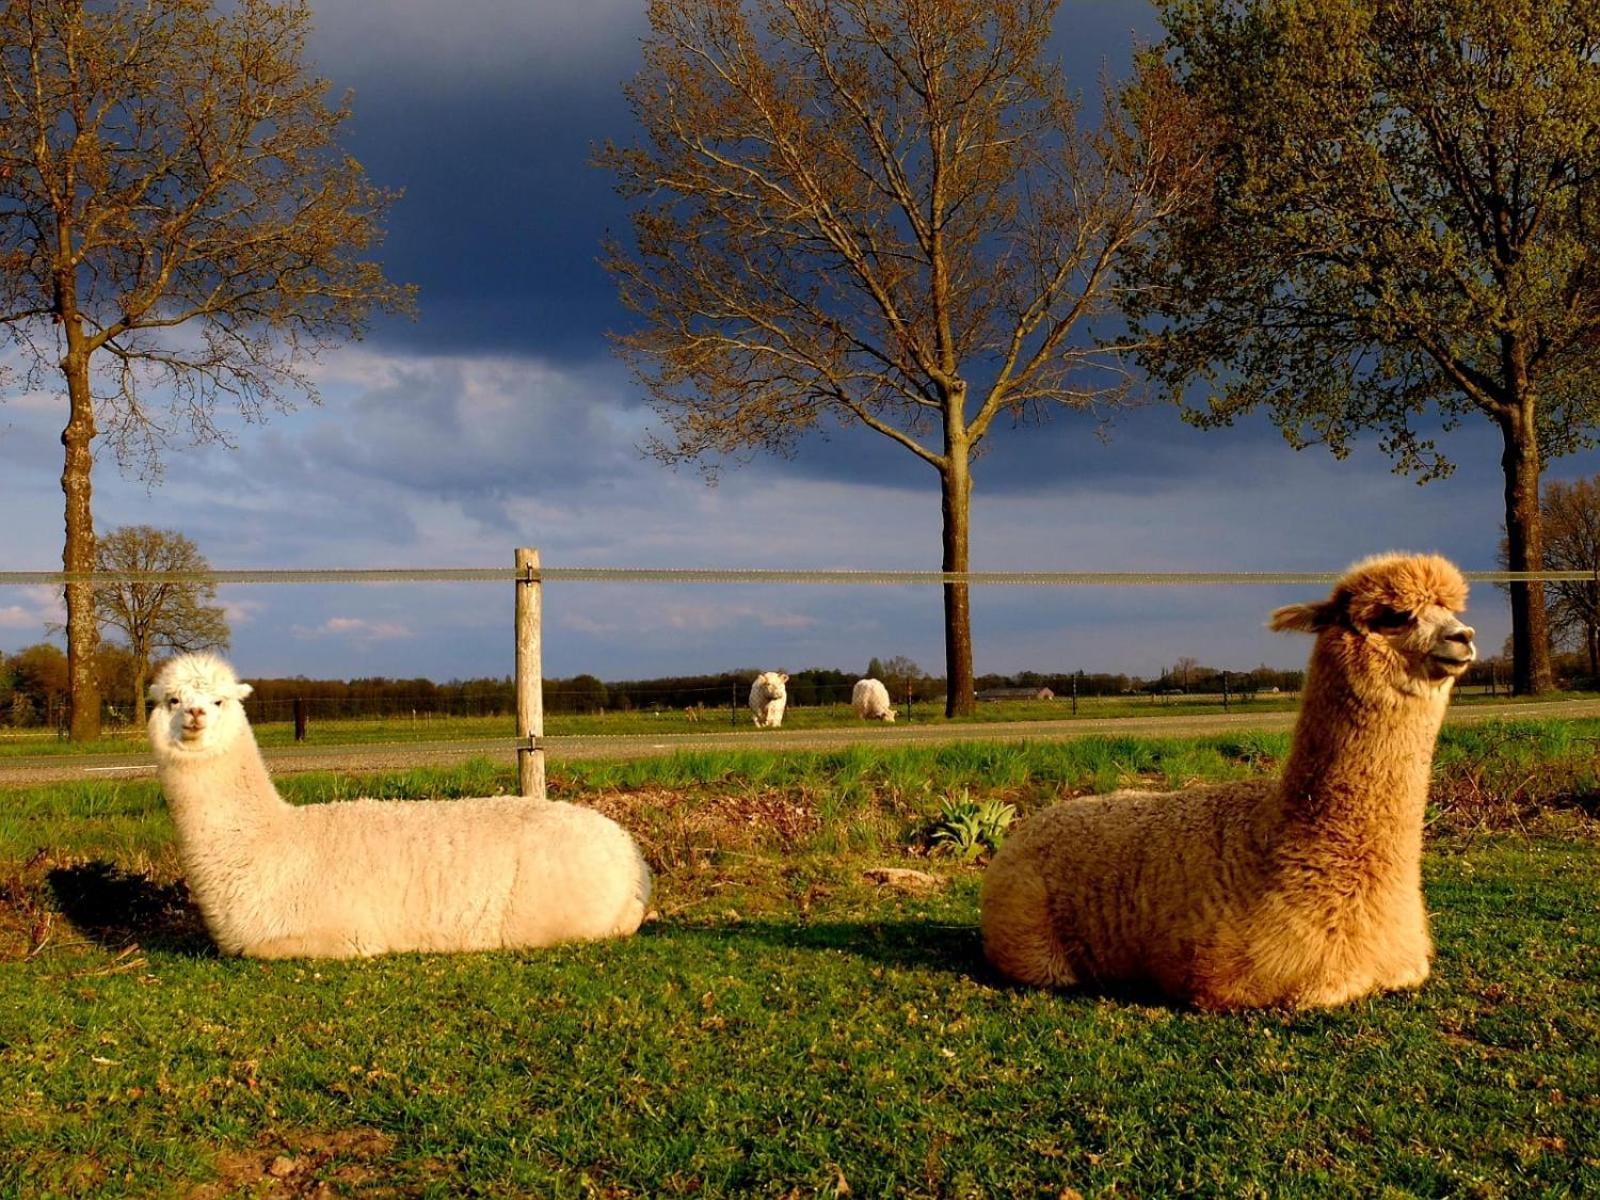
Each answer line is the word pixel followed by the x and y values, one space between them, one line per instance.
pixel 1358 770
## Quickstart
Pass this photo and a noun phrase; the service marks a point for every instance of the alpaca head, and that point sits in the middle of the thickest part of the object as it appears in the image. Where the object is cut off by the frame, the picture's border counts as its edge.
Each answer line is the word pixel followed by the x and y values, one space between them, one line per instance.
pixel 197 711
pixel 773 682
pixel 1391 623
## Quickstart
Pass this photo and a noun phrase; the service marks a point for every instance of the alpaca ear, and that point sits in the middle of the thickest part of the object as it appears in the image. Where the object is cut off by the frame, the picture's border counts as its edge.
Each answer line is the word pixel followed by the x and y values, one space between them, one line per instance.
pixel 783 679
pixel 1301 618
pixel 242 690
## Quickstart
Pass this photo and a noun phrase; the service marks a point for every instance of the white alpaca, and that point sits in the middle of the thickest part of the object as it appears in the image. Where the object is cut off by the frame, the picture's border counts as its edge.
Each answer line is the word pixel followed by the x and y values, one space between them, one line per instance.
pixel 870 699
pixel 363 877
pixel 1300 892
pixel 767 699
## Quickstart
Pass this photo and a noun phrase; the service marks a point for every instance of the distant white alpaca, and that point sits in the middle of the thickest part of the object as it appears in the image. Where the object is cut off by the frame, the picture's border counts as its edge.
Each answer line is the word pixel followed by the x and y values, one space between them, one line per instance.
pixel 767 699
pixel 363 877
pixel 1300 892
pixel 870 699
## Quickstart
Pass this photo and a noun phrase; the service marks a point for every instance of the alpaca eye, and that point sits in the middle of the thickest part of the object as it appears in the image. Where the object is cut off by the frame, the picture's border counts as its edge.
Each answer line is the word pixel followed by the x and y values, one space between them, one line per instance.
pixel 1389 620
pixel 172 703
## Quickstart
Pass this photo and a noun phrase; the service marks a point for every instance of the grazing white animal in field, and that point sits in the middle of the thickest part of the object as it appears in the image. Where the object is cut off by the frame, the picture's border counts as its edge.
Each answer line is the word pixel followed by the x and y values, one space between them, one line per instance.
pixel 767 699
pixel 1302 892
pixel 362 877
pixel 870 699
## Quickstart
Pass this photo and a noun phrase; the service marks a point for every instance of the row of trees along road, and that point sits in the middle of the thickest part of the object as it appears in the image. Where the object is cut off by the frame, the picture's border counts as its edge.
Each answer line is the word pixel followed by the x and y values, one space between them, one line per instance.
pixel 885 214
pixel 178 230
pixel 876 214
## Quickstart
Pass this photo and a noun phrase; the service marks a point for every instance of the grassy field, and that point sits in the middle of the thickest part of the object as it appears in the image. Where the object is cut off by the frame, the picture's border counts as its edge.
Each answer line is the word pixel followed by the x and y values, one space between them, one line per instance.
pixel 19 743
pixel 786 1027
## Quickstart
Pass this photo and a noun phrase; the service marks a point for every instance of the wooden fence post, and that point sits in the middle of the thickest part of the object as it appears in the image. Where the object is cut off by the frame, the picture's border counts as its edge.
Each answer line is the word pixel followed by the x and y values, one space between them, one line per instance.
pixel 530 676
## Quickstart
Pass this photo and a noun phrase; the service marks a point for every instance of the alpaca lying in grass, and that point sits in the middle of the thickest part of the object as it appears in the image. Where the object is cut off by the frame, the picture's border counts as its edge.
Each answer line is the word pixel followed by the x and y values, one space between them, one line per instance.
pixel 1303 892
pixel 364 877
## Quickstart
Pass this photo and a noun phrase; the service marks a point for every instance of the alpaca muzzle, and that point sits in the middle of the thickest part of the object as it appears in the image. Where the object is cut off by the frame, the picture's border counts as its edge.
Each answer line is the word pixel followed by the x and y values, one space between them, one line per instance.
pixel 1456 650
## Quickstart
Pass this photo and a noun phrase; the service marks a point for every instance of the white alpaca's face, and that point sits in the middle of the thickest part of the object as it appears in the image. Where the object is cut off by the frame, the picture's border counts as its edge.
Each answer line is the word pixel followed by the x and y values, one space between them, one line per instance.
pixel 773 682
pixel 196 713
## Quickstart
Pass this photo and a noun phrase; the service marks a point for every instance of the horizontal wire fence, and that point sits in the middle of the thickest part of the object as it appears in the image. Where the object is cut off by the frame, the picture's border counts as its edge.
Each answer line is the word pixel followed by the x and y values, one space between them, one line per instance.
pixel 736 575
pixel 691 700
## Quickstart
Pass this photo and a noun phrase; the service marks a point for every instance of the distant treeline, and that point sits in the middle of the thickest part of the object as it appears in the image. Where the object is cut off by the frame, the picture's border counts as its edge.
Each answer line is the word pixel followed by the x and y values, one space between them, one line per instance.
pixel 33 688
pixel 274 698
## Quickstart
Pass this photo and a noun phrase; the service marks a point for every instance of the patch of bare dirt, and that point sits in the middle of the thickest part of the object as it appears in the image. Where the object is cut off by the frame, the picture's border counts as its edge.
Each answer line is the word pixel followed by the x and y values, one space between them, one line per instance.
pixel 665 819
pixel 307 1163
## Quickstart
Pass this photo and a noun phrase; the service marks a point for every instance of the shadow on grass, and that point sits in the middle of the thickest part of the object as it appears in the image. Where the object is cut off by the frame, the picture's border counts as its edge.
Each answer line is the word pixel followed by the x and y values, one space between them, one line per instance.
pixel 928 946
pixel 907 945
pixel 116 908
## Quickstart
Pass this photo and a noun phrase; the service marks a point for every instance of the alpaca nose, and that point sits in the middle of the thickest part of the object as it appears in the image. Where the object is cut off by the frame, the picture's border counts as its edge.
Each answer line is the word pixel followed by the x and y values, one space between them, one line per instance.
pixel 1462 634
pixel 196 712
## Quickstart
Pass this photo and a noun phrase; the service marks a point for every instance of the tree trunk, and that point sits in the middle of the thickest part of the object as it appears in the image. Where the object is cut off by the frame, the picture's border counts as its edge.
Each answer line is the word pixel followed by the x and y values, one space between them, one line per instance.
pixel 955 486
pixel 1594 652
pixel 137 710
pixel 1530 633
pixel 79 555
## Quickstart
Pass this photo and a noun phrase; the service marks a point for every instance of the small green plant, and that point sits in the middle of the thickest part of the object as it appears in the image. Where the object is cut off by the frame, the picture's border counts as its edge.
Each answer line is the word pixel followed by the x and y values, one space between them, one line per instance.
pixel 968 829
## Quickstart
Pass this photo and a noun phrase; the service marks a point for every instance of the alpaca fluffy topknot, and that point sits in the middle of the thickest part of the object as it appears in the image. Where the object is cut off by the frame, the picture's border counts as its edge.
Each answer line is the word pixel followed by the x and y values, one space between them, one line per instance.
pixel 1400 583
pixel 198 672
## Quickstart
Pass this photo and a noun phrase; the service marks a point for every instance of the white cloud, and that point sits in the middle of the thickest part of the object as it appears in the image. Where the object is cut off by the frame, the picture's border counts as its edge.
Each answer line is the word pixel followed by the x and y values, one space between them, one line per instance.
pixel 355 629
pixel 25 622
pixel 14 616
pixel 474 43
pixel 242 612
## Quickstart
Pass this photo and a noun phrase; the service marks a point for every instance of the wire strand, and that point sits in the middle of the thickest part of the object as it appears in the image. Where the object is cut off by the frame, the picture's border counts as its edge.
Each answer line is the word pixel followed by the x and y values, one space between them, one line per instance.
pixel 658 575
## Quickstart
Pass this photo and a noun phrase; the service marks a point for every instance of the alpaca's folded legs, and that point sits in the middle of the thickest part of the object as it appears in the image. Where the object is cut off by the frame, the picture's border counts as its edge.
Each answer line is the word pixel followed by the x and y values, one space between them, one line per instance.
pixel 331 943
pixel 1017 936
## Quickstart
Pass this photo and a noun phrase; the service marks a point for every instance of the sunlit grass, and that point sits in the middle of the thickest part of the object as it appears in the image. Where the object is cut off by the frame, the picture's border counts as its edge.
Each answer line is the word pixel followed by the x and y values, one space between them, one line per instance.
pixel 786 1027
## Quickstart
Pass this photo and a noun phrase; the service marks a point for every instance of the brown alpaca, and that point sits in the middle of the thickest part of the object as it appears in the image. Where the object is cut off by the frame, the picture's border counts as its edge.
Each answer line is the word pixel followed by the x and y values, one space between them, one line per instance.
pixel 1304 892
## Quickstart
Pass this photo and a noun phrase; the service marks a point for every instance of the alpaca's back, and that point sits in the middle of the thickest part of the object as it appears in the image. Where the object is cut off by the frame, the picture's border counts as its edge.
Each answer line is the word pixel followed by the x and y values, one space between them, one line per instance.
pixel 472 874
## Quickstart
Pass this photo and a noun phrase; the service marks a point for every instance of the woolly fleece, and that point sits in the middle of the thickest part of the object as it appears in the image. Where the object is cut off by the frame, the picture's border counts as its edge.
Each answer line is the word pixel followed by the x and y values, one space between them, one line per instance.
pixel 1300 893
pixel 365 877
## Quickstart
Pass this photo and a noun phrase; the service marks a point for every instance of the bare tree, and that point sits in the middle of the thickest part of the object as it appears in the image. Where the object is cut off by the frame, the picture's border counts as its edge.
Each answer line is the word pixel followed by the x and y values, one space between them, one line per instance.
pixel 1571 513
pixel 178 230
pixel 158 614
pixel 878 214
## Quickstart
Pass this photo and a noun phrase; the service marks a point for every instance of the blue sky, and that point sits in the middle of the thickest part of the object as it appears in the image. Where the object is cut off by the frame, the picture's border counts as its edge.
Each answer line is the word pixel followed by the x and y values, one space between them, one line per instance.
pixel 500 418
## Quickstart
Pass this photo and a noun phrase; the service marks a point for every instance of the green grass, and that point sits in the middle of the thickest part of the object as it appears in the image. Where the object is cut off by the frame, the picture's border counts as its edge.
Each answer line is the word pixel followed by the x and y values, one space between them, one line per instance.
pixel 786 1026
pixel 123 739
pixel 359 730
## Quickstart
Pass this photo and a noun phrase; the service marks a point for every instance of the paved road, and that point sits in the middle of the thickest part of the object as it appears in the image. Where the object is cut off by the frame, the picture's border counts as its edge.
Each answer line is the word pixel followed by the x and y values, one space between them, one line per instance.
pixel 400 755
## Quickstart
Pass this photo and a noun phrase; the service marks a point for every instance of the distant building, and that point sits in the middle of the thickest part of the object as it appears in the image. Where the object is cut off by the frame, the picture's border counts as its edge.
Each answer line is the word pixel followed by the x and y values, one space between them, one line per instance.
pixel 1042 693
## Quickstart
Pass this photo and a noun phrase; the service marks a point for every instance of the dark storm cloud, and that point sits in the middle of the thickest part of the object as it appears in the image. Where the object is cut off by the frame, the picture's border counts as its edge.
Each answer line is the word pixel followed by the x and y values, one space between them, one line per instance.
pixel 487 116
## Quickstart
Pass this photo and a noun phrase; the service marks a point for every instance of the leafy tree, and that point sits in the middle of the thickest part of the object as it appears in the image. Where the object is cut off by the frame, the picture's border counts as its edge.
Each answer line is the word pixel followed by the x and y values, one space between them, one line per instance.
pixel 900 673
pixel 1401 226
pixel 116 669
pixel 879 215
pixel 155 615
pixel 164 164
pixel 40 680
pixel 583 693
